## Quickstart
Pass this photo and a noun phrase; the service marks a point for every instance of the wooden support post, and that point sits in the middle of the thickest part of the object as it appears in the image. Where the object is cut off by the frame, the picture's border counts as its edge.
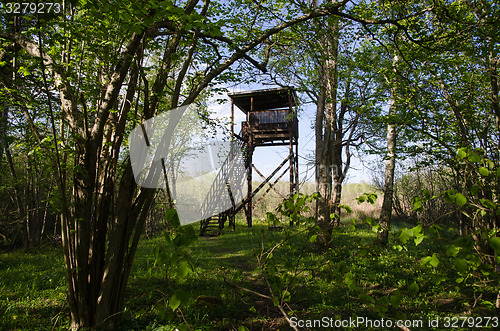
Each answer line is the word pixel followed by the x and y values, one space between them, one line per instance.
pixel 232 119
pixel 290 168
pixel 249 169
pixel 297 165
pixel 249 191
pixel 290 131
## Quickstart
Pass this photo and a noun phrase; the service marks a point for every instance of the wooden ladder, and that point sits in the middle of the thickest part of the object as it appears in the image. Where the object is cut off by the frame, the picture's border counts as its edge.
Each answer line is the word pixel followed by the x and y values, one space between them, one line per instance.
pixel 211 227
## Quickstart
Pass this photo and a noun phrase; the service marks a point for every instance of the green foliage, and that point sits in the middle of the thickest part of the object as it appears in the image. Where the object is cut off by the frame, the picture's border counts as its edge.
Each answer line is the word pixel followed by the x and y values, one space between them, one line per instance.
pixel 477 201
pixel 174 254
pixel 294 207
pixel 471 254
pixel 368 197
pixel 423 182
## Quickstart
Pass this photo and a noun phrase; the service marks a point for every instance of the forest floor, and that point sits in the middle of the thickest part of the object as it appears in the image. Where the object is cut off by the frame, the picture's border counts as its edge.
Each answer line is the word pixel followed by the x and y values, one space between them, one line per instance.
pixel 353 280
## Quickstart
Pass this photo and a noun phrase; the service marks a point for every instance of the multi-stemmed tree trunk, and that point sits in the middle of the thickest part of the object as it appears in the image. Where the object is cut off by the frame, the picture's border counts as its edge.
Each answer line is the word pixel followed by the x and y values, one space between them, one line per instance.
pixel 335 129
pixel 325 126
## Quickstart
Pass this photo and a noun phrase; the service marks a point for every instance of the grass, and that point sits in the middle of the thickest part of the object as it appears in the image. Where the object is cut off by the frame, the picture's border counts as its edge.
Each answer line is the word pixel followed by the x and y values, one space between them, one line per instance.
pixel 32 289
pixel 354 278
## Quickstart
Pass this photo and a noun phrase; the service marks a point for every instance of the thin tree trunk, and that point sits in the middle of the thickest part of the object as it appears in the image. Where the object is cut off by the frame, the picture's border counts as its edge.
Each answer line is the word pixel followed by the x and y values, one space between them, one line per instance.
pixel 390 165
pixel 4 112
pixel 495 108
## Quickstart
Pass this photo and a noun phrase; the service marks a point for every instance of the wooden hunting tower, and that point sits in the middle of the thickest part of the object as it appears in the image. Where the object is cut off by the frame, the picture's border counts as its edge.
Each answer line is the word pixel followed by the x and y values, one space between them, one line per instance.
pixel 271 120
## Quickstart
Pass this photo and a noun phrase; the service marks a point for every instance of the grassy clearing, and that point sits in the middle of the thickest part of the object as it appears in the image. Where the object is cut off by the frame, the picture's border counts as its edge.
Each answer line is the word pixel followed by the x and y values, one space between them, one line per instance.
pixel 354 278
pixel 32 289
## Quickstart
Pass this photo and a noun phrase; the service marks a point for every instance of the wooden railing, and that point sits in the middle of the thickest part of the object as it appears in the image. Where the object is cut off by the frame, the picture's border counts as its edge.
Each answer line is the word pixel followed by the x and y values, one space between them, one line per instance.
pixel 227 173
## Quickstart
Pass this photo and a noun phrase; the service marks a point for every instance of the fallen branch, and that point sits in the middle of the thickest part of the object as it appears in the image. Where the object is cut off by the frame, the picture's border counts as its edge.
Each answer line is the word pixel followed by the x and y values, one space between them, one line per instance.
pixel 230 283
pixel 283 312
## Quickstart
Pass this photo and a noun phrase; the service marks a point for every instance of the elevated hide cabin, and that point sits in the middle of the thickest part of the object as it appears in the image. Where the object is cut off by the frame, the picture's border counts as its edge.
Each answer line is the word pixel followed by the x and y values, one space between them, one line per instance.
pixel 271 120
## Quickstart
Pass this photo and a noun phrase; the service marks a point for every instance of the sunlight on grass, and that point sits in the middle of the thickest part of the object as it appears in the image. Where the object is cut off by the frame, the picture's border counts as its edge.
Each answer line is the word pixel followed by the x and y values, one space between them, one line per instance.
pixel 32 283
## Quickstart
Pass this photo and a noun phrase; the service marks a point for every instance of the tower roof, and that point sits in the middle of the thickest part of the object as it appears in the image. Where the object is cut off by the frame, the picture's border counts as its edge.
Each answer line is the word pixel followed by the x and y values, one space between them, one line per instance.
pixel 273 98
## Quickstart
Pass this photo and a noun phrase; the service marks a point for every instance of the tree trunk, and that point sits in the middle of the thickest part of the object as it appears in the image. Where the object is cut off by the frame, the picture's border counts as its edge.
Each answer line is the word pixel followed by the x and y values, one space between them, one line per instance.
pixel 4 113
pixel 326 116
pixel 390 165
pixel 495 108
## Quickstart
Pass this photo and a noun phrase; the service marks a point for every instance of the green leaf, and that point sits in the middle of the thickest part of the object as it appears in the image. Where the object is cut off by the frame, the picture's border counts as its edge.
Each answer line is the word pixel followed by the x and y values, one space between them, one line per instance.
pixel 483 171
pixel 334 215
pixel 183 269
pixel 488 203
pixel 417 205
pixel 452 251
pixel 416 230
pixel 398 247
pixel 372 198
pixel 434 261
pixel 376 228
pixel 462 153
pixel 495 244
pixel 449 196
pixel 405 235
pixel 425 260
pixel 474 157
pixel 174 302
pixel 413 289
pixel 418 239
pixel 313 238
pixel 349 281
pixel 346 208
pixel 276 301
pixel 396 299
pixel 460 199
pixel 460 265
pixel 172 218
